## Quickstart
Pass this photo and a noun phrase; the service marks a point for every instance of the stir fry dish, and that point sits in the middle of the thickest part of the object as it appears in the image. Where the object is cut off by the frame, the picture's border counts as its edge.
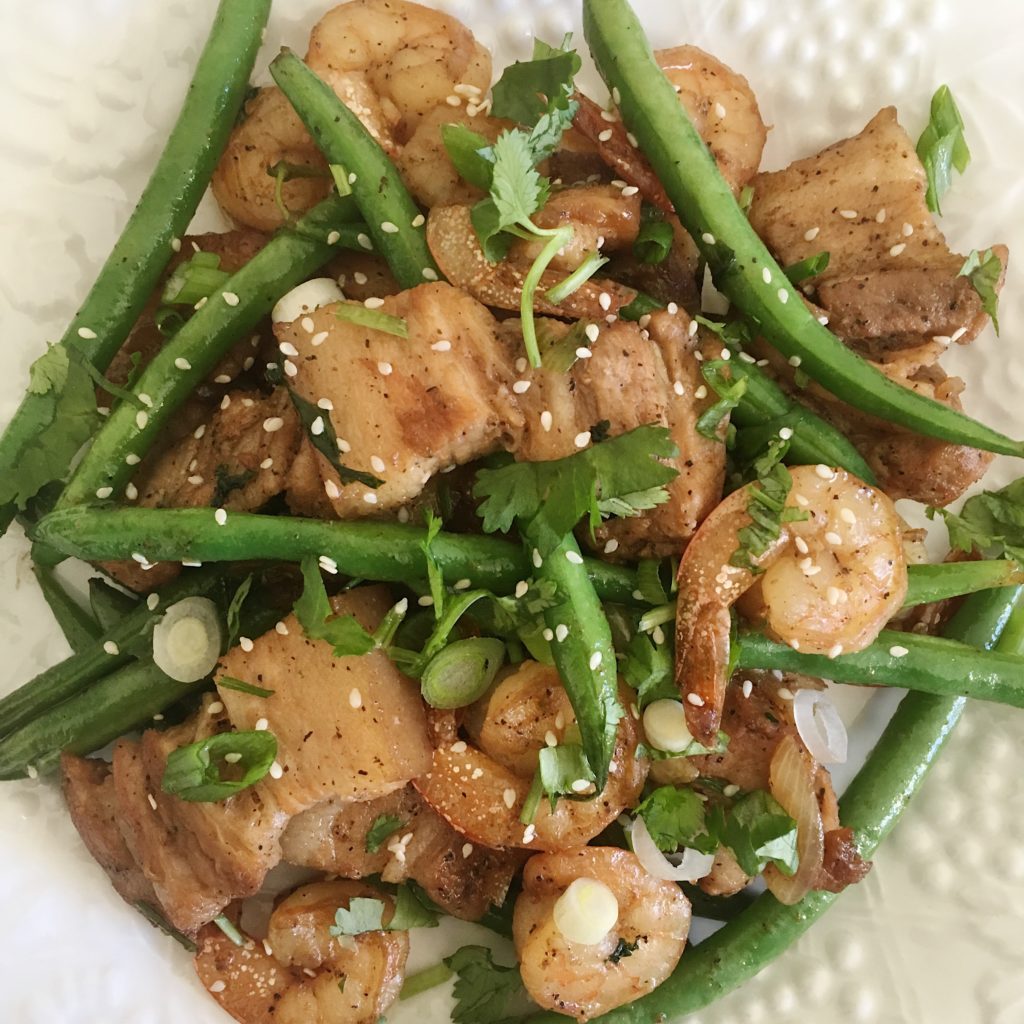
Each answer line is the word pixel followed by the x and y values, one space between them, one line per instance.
pixel 483 521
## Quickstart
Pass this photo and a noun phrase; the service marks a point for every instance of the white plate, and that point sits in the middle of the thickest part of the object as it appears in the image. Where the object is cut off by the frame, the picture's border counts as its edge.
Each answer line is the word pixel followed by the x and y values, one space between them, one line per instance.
pixel 89 89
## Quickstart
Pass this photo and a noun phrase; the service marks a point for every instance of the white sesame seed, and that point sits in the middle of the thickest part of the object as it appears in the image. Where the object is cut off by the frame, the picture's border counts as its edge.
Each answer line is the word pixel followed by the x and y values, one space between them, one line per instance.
pixel 419 220
pixel 611 545
pixel 275 771
pixel 958 334
pixel 785 433
pixel 377 464
pixel 677 387
pixel 801 544
pixel 630 190
pixel 825 472
pixel 230 298
pixel 266 463
pixel 272 424
pixel 794 361
pixel 833 538
pixel 215 707
pixel 388 228
pixel 582 439
pixel 897 651
pixel 632 140
pixel 719 111
pixel 748 687
pixel 848 515
pixel 307 324
pixel 725 355
pixel 370 498
pixel 701 392
pixel 604 136
pixel 104 492
pixel 444 345
pixel 364 240
pixel 834 595
pixel 385 368
pixel 152 803
pixel 245 643
pixel 801 500
pixel 288 349
pixel 110 647
pixel 783 295
pixel 785 693
pixel 529 833
pixel 537 560
pixel 616 96
pixel 561 632
pixel 908 230
pixel 225 401
pixel 333 237
pixel 658 635
pixel 592 331
pixel 520 387
pixel 849 214
pixel 509 798
pixel 87 333
pixel 199 431
pixel 574 557
pixel 328 564
pixel 290 368
pixel 199 305
pixel 430 274
pixel 453 101
pixel 141 419
pixel 220 516
pixel 880 216
pixel 835 650
pixel 897 249
pixel 695 699
pixel 811 234
pixel 795 644
pixel 343 446
pixel 766 275
pixel 546 420
pixel 521 588
pixel 467 849
pixel 595 660
pixel 131 492
pixel 355 698
pixel 261 725
pixel 604 300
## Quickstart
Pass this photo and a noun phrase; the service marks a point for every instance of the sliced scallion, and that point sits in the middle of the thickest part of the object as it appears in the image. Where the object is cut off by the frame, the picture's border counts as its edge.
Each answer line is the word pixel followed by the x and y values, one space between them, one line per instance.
pixel 196 772
pixel 187 641
pixel 354 313
pixel 462 672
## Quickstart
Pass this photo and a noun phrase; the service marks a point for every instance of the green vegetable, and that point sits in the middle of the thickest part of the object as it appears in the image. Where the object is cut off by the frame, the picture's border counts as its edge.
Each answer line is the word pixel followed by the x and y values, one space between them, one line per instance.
pixel 109 604
pixel 526 89
pixel 313 610
pixel 485 991
pixel 807 268
pixel 230 683
pixel 196 772
pixel 648 581
pixel 736 256
pixel 435 575
pixel 287 259
pixel 235 609
pixel 562 769
pixel 383 826
pixel 766 507
pixel 759 832
pixel 992 522
pixel 648 668
pixel 228 928
pixel 423 981
pixel 411 911
pixel 470 153
pixel 984 270
pixel 389 552
pixel 593 262
pixel 942 147
pixel 675 818
pixel 361 915
pixel 80 629
pixel 654 239
pixel 871 807
pixel 50 426
pixel 375 319
pixel 393 221
pixel 462 672
pixel 195 279
pixel 928 583
pixel 554 495
pixel 157 920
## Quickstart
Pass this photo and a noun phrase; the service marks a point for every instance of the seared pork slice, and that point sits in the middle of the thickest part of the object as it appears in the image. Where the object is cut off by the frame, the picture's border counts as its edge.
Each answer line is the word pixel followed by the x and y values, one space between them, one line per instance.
pixel 461 877
pixel 351 727
pixel 88 787
pixel 892 281
pixel 197 856
pixel 414 406
pixel 634 377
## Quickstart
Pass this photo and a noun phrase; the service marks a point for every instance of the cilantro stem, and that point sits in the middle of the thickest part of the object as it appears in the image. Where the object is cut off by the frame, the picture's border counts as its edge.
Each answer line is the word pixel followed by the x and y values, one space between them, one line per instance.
pixel 422 981
pixel 579 277
pixel 561 237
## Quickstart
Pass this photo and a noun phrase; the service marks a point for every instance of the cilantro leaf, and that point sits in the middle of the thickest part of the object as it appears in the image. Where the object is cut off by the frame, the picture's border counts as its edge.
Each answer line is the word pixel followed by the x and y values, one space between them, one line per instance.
pixel 383 826
pixel 362 915
pixel 527 90
pixel 515 185
pixel 318 621
pixel 675 818
pixel 434 575
pixel 992 522
pixel 983 270
pixel 411 911
pixel 807 268
pixel 484 990
pixel 758 831
pixel 470 153
pixel 562 768
pixel 648 668
pixel 633 504
pixel 555 495
pixel 50 371
pixel 942 146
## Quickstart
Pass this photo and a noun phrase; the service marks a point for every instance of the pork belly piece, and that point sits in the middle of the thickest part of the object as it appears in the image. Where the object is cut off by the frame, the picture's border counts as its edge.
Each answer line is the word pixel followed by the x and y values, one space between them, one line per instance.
pixel 634 377
pixel 414 406
pixel 197 856
pixel 88 787
pixel 351 727
pixel 892 282
pixel 461 877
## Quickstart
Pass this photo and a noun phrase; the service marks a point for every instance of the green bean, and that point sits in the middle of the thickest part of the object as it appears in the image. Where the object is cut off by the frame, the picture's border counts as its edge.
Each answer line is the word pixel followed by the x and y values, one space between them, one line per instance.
pixel 393 220
pixel 162 213
pixel 389 552
pixel 80 629
pixel 931 583
pixel 121 701
pixel 109 605
pixel 76 673
pixel 742 267
pixel 926 664
pixel 871 807
pixel 583 651
pixel 186 359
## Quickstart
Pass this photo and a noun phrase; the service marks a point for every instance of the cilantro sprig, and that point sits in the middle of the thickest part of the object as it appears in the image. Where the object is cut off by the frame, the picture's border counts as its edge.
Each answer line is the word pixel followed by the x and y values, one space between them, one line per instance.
pixel 983 270
pixel 485 992
pixel 313 610
pixel 942 147
pixel 992 522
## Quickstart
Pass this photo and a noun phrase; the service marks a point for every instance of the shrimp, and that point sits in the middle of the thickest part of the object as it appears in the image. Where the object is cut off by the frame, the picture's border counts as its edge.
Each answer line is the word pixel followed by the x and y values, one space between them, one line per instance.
pixel 584 981
pixel 721 105
pixel 480 787
pixel 389 61
pixel 828 583
pixel 300 974
pixel 453 243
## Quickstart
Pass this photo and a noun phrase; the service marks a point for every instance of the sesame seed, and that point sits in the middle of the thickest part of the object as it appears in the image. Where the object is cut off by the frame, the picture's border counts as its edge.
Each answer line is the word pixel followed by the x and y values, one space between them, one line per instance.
pixel 658 635
pixel 748 687
pixel 561 632
pixel 574 557
pixel 377 464
pixel 463 584
pixel 801 500
pixel 695 699
pixel 182 364
pixel 766 275
pixel 343 446
pixel 288 349
pixel 328 564
pixel 550 739
pixel 215 707
pixel 605 136
pixel 537 560
pixel 419 220
pixel 897 249
pixel 677 387
pixel 880 216
pixel 834 595
pixel 370 498
pixel 110 647
pixel 521 364
pixel 333 237
pixel 811 234
pixel 245 643
pixel 225 401
pixel 266 463
pixel 444 345
pixel 632 140
pixel 521 387
pixel 131 492
pixel 521 588
pixel 582 439
pixel 595 660
pixel 364 240
pixel 385 368
pixel 783 295
pixel 152 601
pixel 388 228
pixel 529 833
pixel 592 331
pixel 849 214
pixel 672 309
pixel 785 693
pixel 701 392
pixel 898 651
pixel 604 300
pixel 230 298
pixel 835 650
pixel 583 352
pixel 141 419
pixel 908 230
pixel 611 546
pixel 638 595
pixel 152 803
pixel 273 423
pixel 825 472
pixel 199 305
pixel 430 274
pixel 104 492
pixel 275 771
pixel 220 516
pixel 719 111
pixel 958 334
pixel 425 601
pixel 795 644
pixel 546 419
pixel 801 545
pixel 833 538
pixel 630 190
pixel 785 433
pixel 355 698
pixel 199 431
pixel 467 849
pixel 616 96
pixel 725 355
pixel 509 798
pixel 261 725
pixel 458 747
pixel 453 101
pixel 794 361
pixel 290 368
pixel 848 516
pixel 87 333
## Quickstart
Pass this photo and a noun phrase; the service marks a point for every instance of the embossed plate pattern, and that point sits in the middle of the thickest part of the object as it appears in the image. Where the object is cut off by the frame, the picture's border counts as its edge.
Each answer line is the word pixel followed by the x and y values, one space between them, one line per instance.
pixel 89 87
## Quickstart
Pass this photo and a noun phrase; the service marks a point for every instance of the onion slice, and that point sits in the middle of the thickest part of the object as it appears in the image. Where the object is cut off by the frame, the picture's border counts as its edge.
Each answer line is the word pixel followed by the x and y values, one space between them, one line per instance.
pixel 820 726
pixel 306 297
pixel 791 776
pixel 187 640
pixel 692 866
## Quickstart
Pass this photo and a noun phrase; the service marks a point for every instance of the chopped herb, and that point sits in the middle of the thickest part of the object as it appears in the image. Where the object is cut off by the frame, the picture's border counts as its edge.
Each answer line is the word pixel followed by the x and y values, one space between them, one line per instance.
pixel 235 608
pixel 648 581
pixel 484 990
pixel 558 352
pixel 992 522
pixel 382 827
pixel 527 90
pixel 229 929
pixel 411 911
pixel 807 268
pixel 942 147
pixel 560 768
pixel 230 683
pixel 155 918
pixel 423 981
pixel 730 393
pixel 471 154
pixel 758 831
pixel 195 772
pixel 633 504
pixel 641 305
pixel 357 313
pixel 623 949
pixel 654 239
pixel 227 483
pixel 675 818
pixel 341 182
pixel 195 279
pixel 313 610
pixel 647 668
pixel 588 267
pixel 462 672
pixel 435 577
pixel 692 749
pixel 361 915
pixel 557 494
pixel 983 270
pixel 746 199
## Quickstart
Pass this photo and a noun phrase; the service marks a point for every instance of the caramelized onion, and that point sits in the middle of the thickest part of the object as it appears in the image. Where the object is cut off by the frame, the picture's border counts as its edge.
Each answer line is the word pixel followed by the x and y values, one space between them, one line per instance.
pixel 692 866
